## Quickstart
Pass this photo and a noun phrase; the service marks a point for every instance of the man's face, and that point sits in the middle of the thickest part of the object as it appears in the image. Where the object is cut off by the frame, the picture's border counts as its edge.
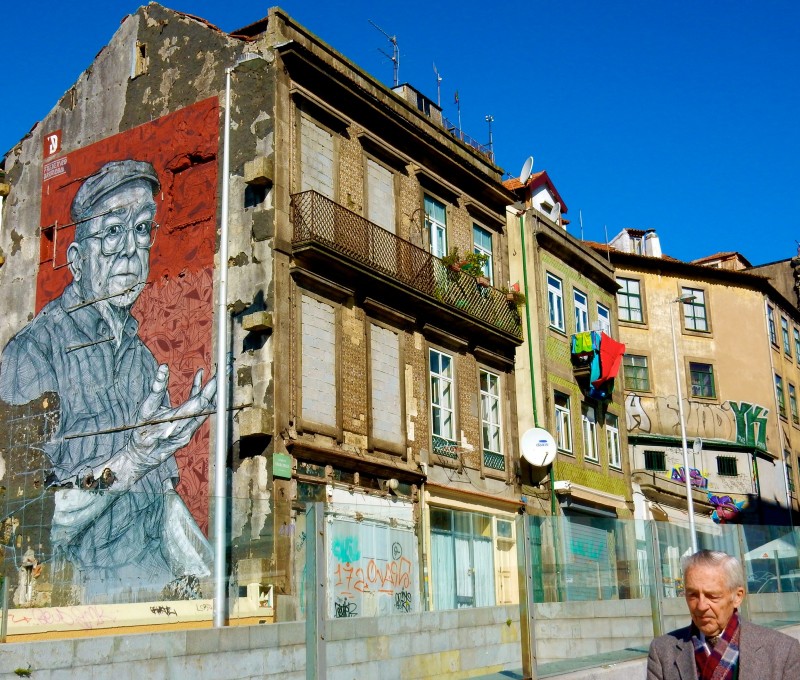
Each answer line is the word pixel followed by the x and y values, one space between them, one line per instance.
pixel 115 276
pixel 710 599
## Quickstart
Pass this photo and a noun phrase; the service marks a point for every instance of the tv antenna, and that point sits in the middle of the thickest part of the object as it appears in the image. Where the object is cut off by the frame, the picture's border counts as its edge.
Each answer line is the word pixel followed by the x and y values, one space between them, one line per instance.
pixel 395 57
pixel 438 86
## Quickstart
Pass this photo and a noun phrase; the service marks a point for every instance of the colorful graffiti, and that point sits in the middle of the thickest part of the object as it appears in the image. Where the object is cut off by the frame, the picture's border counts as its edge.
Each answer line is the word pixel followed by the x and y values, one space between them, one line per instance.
pixel 741 422
pixel 696 478
pixel 371 574
pixel 122 332
pixel 726 510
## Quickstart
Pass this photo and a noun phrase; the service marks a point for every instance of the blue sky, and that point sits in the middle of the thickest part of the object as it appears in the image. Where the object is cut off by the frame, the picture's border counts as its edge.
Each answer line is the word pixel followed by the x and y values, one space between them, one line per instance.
pixel 678 116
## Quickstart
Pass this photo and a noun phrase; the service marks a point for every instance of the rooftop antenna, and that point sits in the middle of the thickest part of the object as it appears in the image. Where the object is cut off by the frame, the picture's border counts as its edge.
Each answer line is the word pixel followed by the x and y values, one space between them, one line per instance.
pixel 580 217
pixel 490 120
pixel 608 245
pixel 438 86
pixel 395 58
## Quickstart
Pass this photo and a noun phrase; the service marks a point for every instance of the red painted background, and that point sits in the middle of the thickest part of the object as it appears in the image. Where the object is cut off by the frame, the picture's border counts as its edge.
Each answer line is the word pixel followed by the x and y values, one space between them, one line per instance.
pixel 175 310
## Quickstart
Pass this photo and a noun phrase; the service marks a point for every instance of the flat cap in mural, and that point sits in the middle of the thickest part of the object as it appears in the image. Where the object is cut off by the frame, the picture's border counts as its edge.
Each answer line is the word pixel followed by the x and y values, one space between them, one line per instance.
pixel 107 179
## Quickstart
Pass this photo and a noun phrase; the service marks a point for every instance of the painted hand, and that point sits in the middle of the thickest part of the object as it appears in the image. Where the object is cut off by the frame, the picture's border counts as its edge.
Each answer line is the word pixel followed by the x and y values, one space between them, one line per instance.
pixel 164 430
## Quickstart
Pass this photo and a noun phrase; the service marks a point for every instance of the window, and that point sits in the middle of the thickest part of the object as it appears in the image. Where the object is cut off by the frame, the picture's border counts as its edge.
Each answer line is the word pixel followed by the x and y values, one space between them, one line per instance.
pixel 702 380
pixel 490 421
pixel 555 301
pixel 436 224
pixel 581 312
pixel 636 373
pixel 796 345
pixel 386 382
pixel 629 299
pixel 319 390
pixel 563 425
pixel 442 414
pixel 787 456
pixel 787 345
pixel 589 426
pixel 779 395
pixel 603 319
pixel 726 466
pixel 793 404
pixel 316 158
pixel 773 338
pixel 380 196
pixel 612 442
pixel 655 461
pixel 482 244
pixel 694 311
pixel 462 550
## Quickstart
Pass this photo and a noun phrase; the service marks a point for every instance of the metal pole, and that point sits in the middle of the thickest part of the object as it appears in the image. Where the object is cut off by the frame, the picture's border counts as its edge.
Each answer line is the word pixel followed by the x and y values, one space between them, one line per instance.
pixel 316 663
pixel 686 475
pixel 4 620
pixel 654 553
pixel 527 622
pixel 221 449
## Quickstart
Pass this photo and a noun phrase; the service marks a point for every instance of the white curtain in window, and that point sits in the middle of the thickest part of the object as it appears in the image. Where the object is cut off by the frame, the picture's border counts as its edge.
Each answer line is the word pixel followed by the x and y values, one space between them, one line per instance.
pixel 465 588
pixel 443 567
pixel 484 573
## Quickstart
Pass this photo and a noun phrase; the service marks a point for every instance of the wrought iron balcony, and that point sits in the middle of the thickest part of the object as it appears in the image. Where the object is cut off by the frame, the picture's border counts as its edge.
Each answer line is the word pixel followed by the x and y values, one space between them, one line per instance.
pixel 322 223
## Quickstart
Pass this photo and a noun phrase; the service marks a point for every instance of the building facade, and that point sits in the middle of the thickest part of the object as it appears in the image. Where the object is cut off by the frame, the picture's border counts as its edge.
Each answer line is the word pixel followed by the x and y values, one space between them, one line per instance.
pixel 371 351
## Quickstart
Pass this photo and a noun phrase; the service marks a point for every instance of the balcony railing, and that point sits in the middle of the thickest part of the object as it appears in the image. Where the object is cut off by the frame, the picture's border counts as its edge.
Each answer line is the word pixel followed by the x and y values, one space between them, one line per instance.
pixel 318 219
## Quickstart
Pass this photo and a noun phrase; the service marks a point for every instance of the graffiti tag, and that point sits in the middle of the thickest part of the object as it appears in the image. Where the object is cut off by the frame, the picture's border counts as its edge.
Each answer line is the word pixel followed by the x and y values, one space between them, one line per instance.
pixel 751 423
pixel 402 601
pixel 344 609
pixel 346 549
pixel 162 609
pixel 374 577
pixel 696 478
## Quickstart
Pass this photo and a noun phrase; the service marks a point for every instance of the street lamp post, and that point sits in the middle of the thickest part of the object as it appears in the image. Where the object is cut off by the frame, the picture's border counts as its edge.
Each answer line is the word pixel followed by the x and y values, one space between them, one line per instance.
pixel 686 475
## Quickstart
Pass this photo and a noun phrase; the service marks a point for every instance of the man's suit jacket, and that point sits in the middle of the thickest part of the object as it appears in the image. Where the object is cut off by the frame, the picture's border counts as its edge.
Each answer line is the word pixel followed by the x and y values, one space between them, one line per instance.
pixel 764 654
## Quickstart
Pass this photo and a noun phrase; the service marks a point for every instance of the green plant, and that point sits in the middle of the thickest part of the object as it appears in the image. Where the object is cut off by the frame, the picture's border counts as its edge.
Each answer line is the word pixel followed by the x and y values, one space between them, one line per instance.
pixel 451 259
pixel 473 263
pixel 23 672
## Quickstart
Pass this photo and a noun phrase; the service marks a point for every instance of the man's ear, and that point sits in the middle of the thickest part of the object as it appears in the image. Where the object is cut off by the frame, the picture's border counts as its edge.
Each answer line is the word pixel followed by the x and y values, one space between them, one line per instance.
pixel 74 260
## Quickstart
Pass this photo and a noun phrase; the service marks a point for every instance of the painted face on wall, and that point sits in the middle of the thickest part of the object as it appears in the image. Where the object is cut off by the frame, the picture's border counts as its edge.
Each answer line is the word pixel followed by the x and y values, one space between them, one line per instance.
pixel 112 260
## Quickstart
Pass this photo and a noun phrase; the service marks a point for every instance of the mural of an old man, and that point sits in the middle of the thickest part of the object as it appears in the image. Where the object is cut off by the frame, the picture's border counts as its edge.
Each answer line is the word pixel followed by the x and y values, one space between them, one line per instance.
pixel 118 522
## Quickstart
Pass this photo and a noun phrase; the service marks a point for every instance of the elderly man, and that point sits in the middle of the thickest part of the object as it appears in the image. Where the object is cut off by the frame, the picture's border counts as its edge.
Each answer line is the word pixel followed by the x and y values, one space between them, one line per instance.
pixel 118 525
pixel 719 645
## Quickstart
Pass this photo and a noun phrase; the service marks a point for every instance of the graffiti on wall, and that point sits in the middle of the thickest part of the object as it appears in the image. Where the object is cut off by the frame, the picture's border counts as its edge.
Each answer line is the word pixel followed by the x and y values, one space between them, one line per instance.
pixel 119 350
pixel 742 422
pixel 696 478
pixel 371 570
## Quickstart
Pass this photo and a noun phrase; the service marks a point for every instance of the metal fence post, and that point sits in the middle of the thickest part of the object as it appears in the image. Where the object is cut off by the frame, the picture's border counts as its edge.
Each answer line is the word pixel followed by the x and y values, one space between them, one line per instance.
pixel 316 663
pixel 527 624
pixel 654 554
pixel 744 609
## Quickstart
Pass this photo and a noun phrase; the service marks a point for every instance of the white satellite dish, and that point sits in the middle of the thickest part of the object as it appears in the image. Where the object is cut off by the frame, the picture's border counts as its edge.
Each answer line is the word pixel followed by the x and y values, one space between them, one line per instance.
pixel 538 447
pixel 525 173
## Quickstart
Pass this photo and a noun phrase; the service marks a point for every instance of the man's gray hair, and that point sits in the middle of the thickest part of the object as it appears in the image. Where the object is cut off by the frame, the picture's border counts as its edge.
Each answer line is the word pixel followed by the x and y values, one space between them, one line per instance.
pixel 729 565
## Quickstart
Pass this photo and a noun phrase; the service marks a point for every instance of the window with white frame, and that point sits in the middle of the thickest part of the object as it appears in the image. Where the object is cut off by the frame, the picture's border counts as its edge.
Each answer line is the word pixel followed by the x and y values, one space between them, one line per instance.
pixel 629 300
pixel 695 315
pixel 612 441
pixel 563 422
pixel 482 245
pixel 796 344
pixel 603 319
pixel 581 311
pixel 773 336
pixel 781 397
pixel 787 344
pixel 491 431
pixel 442 403
pixel 436 224
pixel 793 404
pixel 589 427
pixel 555 301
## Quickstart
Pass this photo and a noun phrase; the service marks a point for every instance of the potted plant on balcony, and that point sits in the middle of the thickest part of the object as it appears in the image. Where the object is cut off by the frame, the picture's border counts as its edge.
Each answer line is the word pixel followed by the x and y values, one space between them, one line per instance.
pixel 514 296
pixel 452 260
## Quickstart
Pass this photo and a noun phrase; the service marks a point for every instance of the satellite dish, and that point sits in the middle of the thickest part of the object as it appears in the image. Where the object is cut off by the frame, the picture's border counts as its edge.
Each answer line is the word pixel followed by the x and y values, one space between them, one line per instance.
pixel 525 174
pixel 538 447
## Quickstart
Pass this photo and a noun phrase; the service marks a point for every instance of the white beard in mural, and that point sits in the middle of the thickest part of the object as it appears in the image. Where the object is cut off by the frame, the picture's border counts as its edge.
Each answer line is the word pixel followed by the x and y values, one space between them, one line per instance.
pixel 118 521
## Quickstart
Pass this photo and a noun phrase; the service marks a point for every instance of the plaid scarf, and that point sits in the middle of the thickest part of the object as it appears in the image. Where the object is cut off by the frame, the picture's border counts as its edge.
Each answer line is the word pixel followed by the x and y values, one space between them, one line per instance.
pixel 720 661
